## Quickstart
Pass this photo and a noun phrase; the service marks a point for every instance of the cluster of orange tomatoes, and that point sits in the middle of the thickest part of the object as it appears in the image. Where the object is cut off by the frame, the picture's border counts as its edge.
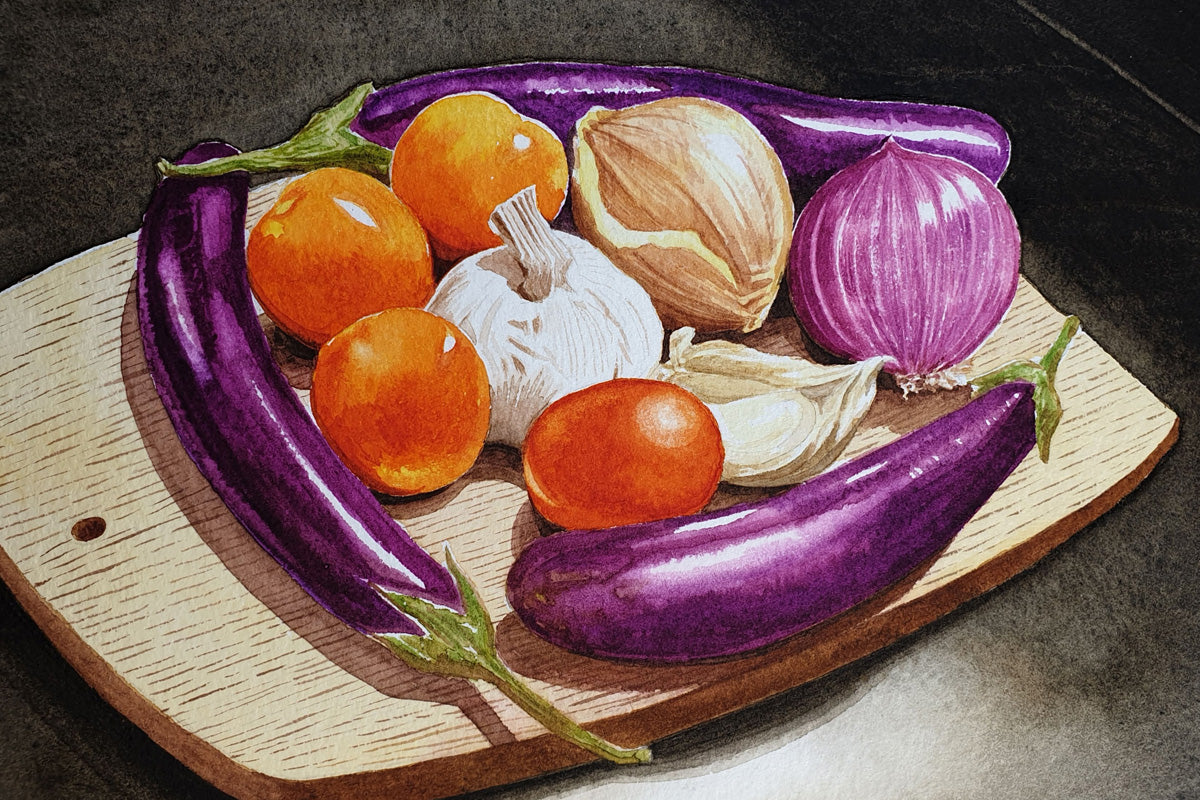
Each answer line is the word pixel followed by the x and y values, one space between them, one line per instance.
pixel 344 264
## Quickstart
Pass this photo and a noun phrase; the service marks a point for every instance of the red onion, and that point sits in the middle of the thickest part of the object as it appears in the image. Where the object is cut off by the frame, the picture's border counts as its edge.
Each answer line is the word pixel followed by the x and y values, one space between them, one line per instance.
pixel 909 256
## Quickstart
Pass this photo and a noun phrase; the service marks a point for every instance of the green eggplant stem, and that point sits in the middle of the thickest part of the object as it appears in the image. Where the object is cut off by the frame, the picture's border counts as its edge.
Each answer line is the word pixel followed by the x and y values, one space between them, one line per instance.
pixel 325 141
pixel 1047 406
pixel 463 645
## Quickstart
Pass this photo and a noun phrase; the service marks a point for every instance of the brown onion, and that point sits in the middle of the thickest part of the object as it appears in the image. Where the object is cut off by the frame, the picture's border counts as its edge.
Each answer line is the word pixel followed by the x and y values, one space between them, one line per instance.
pixel 685 195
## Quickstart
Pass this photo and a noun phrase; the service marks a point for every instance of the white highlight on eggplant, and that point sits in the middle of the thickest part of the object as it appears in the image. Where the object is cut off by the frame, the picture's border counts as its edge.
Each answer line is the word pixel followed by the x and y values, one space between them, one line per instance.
pixel 733 557
pixel 912 136
pixel 869 470
pixel 360 532
pixel 183 321
pixel 604 90
pixel 715 522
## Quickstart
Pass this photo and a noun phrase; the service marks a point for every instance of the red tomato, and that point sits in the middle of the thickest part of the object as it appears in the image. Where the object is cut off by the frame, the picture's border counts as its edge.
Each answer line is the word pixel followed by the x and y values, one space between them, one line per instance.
pixel 623 451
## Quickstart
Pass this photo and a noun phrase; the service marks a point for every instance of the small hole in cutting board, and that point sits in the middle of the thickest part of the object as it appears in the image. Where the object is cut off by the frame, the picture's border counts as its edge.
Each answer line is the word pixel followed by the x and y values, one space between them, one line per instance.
pixel 88 528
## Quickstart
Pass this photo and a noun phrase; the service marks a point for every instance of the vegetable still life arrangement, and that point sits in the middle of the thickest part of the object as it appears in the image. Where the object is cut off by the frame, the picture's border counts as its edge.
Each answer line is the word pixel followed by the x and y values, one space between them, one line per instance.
pixel 248 432
pixel 565 260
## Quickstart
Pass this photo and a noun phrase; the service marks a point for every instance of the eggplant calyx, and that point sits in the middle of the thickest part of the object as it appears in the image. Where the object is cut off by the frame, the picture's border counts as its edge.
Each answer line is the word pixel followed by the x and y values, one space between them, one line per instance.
pixel 325 141
pixel 463 645
pixel 1047 406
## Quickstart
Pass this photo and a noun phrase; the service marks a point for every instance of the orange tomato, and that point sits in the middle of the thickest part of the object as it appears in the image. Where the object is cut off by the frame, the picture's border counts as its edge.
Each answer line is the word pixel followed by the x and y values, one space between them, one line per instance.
pixel 462 156
pixel 622 451
pixel 336 246
pixel 402 398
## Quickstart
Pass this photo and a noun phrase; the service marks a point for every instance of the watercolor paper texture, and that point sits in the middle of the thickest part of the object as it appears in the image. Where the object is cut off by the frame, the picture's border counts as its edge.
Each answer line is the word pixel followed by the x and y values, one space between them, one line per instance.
pixel 218 573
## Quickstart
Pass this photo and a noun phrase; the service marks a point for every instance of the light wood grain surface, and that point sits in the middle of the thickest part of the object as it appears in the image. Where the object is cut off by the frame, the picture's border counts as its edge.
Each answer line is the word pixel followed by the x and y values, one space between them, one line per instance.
pixel 190 630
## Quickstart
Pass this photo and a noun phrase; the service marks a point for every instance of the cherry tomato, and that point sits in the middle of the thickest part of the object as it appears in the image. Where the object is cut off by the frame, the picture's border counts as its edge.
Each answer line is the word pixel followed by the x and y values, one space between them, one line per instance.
pixel 336 246
pixel 402 398
pixel 462 156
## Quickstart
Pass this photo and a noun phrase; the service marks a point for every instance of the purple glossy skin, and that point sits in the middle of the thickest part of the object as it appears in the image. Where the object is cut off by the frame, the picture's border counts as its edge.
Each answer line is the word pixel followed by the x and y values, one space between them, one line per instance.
pixel 814 136
pixel 244 426
pixel 727 582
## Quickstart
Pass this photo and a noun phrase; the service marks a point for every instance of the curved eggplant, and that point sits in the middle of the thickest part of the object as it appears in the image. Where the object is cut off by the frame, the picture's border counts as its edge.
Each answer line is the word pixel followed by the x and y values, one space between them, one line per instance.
pixel 726 582
pixel 250 436
pixel 242 423
pixel 814 136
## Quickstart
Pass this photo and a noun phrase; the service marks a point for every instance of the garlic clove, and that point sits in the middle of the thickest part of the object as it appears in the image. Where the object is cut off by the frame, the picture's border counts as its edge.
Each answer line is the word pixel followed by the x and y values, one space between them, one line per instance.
pixel 730 369
pixel 687 196
pixel 856 393
pixel 763 433
pixel 782 419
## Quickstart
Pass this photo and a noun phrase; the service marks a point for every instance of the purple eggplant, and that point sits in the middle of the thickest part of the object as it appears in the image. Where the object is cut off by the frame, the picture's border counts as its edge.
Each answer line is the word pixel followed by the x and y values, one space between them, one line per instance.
pixel 250 436
pixel 814 136
pixel 726 582
pixel 242 423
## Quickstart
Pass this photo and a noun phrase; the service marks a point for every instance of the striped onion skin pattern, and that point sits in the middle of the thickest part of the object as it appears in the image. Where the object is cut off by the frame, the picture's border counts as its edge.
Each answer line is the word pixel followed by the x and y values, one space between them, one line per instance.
pixel 909 256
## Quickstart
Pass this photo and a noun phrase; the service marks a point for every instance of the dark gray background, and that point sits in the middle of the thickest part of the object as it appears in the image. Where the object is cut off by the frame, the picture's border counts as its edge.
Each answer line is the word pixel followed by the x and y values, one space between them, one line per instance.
pixel 1079 678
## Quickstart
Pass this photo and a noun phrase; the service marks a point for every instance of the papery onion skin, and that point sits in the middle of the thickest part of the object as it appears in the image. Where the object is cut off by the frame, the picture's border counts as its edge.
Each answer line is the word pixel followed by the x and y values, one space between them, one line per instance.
pixel 909 256
pixel 687 197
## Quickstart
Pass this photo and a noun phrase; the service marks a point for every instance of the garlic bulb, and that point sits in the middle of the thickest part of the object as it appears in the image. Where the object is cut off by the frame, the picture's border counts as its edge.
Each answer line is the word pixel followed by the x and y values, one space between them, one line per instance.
pixel 687 196
pixel 782 419
pixel 548 313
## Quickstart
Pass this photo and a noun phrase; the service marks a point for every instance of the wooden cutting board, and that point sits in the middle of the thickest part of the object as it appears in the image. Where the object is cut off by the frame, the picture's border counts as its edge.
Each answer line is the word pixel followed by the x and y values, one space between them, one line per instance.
pixel 183 624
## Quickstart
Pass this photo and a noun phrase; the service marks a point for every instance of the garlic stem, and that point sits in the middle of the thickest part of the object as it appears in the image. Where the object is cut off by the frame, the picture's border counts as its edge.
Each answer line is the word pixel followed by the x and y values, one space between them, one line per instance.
pixel 542 258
